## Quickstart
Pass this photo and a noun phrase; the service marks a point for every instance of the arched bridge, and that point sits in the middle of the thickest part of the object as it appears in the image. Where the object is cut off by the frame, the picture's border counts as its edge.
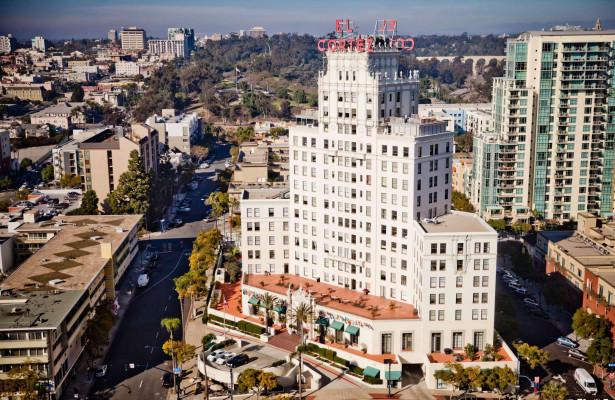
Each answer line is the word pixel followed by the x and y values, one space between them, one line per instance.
pixel 474 59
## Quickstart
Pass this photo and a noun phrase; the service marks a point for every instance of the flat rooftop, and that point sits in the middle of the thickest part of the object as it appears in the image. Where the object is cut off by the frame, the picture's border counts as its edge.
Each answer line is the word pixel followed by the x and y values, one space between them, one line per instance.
pixel 577 247
pixel 257 194
pixel 36 309
pixel 72 258
pixel 334 297
pixel 455 221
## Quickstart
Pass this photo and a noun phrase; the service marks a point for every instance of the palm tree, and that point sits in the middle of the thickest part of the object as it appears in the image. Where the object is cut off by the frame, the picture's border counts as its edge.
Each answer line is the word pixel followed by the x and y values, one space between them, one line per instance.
pixel 301 349
pixel 171 324
pixel 268 304
pixel 302 314
pixel 554 391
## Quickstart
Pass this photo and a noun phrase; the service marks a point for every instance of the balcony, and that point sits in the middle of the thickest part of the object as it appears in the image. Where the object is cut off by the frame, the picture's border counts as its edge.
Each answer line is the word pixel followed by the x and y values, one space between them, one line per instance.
pixel 601 300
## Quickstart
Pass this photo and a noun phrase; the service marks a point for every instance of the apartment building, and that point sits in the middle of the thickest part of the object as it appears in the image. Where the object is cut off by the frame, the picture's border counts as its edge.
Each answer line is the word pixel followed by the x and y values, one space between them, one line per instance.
pixel 32 92
pixel 104 157
pixel 458 113
pixel 180 43
pixel 112 35
pixel 180 131
pixel 462 172
pixel 133 38
pixel 265 239
pixel 65 156
pixel 257 32
pixel 38 44
pixel 553 126
pixel 61 115
pixel 375 248
pixel 479 120
pixel 46 302
pixel 8 44
pixel 5 152
pixel 127 68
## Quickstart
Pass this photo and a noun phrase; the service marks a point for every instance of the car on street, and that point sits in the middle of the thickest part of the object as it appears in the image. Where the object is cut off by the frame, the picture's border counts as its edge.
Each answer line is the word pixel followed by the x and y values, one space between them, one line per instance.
pixel 224 358
pixel 184 209
pixel 177 221
pixel 530 302
pixel 238 360
pixel 576 353
pixel 101 371
pixel 564 341
pixel 143 280
pixel 167 380
pixel 214 355
pixel 520 290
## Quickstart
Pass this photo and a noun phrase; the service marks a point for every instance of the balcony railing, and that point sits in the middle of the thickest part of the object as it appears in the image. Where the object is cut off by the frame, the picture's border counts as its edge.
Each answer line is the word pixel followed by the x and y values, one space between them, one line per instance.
pixel 601 300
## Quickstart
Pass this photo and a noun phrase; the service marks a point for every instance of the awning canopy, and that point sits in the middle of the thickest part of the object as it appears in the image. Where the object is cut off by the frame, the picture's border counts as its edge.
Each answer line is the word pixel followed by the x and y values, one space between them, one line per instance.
pixel 371 371
pixel 279 309
pixel 495 208
pixel 253 300
pixel 392 376
pixel 322 321
pixel 337 325
pixel 353 330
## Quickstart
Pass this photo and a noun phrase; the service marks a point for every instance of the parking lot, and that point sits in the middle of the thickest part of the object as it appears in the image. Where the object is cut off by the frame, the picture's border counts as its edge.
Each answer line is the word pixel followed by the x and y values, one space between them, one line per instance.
pixel 259 357
pixel 51 203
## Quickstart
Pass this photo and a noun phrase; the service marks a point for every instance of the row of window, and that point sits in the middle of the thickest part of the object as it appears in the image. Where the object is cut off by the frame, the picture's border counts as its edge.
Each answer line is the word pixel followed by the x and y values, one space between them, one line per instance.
pixel 435 281
pixel 485 246
pixel 475 314
pixel 23 335
pixel 256 240
pixel 440 265
pixel 441 297
pixel 256 212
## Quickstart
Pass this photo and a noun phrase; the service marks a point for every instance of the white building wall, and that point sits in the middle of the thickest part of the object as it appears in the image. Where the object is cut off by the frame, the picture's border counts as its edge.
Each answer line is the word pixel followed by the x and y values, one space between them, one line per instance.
pixel 127 68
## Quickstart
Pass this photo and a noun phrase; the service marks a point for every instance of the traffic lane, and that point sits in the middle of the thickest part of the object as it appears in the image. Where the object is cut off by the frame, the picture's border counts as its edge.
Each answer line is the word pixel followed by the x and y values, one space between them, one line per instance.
pixel 563 365
pixel 141 327
pixel 533 330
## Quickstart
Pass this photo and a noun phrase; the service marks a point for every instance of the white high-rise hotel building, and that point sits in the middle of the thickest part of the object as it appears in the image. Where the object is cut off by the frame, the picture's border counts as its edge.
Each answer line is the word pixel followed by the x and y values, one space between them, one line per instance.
pixel 374 247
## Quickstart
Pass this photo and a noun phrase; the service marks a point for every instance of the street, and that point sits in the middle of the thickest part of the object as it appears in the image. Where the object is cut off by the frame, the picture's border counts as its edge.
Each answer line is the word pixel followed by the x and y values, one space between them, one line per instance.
pixel 141 325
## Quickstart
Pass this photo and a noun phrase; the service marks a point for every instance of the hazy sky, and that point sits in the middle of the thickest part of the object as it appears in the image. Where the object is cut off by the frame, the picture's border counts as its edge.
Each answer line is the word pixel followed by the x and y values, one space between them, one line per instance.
pixel 63 19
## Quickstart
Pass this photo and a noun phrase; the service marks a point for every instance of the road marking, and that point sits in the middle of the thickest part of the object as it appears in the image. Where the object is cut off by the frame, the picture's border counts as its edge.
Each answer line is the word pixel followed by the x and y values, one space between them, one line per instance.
pixel 157 335
pixel 165 308
pixel 161 280
pixel 152 352
pixel 140 384
pixel 170 296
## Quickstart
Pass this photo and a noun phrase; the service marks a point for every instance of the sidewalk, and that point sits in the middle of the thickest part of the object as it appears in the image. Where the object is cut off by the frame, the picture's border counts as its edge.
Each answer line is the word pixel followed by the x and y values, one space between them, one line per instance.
pixel 82 382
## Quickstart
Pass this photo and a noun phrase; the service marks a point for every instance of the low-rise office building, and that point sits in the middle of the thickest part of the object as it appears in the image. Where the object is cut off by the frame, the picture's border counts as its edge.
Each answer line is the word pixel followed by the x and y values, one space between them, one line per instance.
pixel 180 131
pixel 61 115
pixel 46 302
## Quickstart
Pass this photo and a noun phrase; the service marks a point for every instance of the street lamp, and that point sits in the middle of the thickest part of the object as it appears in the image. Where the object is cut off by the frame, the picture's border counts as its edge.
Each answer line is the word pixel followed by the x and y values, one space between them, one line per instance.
pixel 231 368
pixel 389 362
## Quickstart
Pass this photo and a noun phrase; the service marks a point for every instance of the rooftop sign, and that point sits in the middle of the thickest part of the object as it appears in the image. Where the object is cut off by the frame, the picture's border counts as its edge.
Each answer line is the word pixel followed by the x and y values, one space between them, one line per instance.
pixel 347 40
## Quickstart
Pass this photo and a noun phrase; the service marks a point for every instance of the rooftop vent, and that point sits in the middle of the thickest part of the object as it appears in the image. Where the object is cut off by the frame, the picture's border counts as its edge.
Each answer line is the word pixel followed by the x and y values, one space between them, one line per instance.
pixel 54 282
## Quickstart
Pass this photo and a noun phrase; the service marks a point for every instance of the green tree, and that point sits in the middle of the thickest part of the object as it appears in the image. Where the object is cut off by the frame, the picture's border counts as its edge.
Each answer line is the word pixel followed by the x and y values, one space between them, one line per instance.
pixel 520 227
pixel 24 379
pixel 25 163
pixel 554 390
pixel 300 315
pixel 23 194
pixel 268 302
pixel 133 192
pixel 460 377
pixel 205 249
pixel 232 268
pixel 89 205
pixel 464 142
pixel 589 325
pixel 498 379
pixel 70 180
pixel 47 173
pixel 498 224
pixel 532 354
pixel 98 327
pixel 171 324
pixel 4 205
pixel 78 94
pixel 299 352
pixel 470 351
pixel 257 381
pixel 461 202
pixel 599 351
pixel 6 182
pixel 277 131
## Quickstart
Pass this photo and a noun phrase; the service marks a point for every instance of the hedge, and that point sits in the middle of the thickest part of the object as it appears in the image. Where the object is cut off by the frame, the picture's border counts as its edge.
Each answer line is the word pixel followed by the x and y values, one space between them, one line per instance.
pixel 373 381
pixel 221 320
pixel 223 344
pixel 243 326
pixel 356 369
pixel 278 363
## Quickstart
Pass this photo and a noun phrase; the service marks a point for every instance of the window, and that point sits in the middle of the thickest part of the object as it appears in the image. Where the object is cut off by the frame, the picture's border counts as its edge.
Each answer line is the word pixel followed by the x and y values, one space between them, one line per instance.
pixel 476 282
pixel 440 315
pixel 486 247
pixel 442 248
pixel 432 298
pixel 483 314
pixel 406 341
pixel 434 248
pixel 457 340
pixel 459 281
pixel 386 343
pixel 484 297
pixel 432 281
pixel 458 298
pixel 475 298
pixel 457 315
pixel 485 281
pixel 475 314
pixel 441 298
pixel 459 248
pixel 432 315
pixel 442 282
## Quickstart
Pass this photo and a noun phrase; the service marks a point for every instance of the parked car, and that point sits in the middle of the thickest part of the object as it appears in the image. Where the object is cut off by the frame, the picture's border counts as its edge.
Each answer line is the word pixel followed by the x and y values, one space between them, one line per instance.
pixel 177 221
pixel 184 209
pixel 520 290
pixel 576 353
pixel 224 358
pixel 101 371
pixel 238 360
pixel 585 380
pixel 167 380
pixel 143 280
pixel 214 355
pixel 530 302
pixel 564 341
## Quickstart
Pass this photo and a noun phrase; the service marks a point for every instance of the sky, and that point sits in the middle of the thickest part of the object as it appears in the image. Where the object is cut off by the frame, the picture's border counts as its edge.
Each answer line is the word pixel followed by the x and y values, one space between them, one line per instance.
pixel 66 19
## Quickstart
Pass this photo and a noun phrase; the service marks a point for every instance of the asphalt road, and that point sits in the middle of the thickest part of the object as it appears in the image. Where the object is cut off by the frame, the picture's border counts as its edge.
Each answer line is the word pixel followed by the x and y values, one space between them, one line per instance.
pixel 141 324
pixel 141 327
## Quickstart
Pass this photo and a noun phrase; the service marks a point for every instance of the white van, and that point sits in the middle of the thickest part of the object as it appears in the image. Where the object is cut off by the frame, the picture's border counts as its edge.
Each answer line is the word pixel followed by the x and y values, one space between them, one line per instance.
pixel 143 280
pixel 585 380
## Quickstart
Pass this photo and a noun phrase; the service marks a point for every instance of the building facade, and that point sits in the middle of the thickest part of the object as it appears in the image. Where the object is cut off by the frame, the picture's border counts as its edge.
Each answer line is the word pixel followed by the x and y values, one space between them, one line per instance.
pixel 374 247
pixel 38 44
pixel 133 38
pixel 8 44
pixel 553 126
pixel 5 152
pixel 127 68
pixel 179 131
pixel 61 115
pixel 112 35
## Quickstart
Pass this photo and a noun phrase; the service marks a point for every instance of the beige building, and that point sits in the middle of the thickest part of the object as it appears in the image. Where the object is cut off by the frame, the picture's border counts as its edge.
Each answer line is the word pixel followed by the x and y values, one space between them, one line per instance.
pixel 462 171
pixel 105 156
pixel 25 92
pixel 479 120
pixel 60 115
pixel 45 304
pixel 133 39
